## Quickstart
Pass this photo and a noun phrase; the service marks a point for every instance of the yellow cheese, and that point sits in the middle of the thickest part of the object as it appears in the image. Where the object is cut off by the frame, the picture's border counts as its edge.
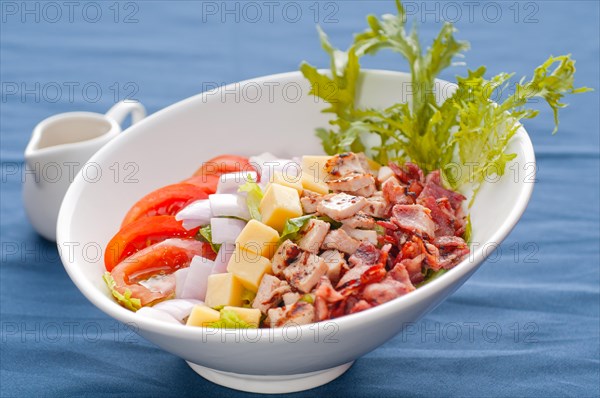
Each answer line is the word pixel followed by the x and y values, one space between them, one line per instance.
pixel 279 204
pixel 223 289
pixel 248 267
pixel 248 315
pixel 373 165
pixel 314 166
pixel 288 181
pixel 258 238
pixel 309 183
pixel 202 315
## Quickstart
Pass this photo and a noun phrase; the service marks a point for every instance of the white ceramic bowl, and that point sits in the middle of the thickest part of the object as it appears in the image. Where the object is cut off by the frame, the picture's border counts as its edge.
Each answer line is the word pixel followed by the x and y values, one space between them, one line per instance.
pixel 274 114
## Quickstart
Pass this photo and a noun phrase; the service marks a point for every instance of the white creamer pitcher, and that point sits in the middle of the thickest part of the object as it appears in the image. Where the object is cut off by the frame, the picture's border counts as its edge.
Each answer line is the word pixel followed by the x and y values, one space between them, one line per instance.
pixel 59 147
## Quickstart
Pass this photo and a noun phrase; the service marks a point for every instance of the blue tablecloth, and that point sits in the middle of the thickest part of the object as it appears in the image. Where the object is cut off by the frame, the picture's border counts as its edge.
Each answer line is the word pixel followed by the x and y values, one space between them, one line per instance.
pixel 527 324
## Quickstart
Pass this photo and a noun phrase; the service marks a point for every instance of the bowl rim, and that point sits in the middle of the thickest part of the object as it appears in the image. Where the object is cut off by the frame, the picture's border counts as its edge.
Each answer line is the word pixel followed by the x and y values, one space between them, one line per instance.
pixel 114 310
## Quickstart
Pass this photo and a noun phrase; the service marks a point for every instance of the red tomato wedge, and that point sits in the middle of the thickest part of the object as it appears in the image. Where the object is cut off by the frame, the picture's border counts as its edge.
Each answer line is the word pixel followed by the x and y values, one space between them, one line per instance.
pixel 224 164
pixel 165 201
pixel 142 233
pixel 158 261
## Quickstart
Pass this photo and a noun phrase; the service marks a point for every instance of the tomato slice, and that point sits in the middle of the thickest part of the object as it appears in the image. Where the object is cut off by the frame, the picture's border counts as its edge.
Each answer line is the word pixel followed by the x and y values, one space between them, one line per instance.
pixel 158 262
pixel 224 164
pixel 140 234
pixel 207 182
pixel 165 201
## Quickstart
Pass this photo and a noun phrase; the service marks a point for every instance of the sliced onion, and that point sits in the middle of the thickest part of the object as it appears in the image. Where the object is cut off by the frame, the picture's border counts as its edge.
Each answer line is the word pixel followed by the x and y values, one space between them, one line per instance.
pixel 225 230
pixel 197 278
pixel 229 205
pixel 151 312
pixel 195 214
pixel 180 276
pixel 268 163
pixel 177 308
pixel 231 182
pixel 223 256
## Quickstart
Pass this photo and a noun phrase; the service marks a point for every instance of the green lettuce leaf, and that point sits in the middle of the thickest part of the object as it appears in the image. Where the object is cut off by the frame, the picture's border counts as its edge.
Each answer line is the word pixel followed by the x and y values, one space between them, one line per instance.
pixel 468 230
pixel 230 320
pixel 205 234
pixel 334 224
pixel 255 195
pixel 125 300
pixel 293 226
pixel 431 275
pixel 307 298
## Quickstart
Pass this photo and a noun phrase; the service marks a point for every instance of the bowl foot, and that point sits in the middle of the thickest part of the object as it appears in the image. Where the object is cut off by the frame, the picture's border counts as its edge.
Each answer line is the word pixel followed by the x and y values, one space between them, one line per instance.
pixel 275 384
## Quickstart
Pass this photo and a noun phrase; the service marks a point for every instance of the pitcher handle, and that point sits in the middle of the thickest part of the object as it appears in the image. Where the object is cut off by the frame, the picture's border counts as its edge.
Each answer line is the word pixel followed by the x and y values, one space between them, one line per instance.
pixel 121 109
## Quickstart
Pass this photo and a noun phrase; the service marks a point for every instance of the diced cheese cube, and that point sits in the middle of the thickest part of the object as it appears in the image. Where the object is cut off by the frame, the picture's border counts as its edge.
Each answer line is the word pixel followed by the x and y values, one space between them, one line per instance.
pixel 278 205
pixel 202 315
pixel 373 165
pixel 258 238
pixel 314 166
pixel 310 183
pixel 248 315
pixel 288 180
pixel 223 289
pixel 249 268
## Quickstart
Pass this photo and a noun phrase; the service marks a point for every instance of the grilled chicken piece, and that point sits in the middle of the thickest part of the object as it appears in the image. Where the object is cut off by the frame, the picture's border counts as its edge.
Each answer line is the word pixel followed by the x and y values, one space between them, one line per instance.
pixel 300 313
pixel 305 272
pixel 310 200
pixel 270 293
pixel 362 234
pixel 364 162
pixel 290 298
pixel 359 220
pixel 349 172
pixel 376 206
pixel 343 164
pixel 365 191
pixel 285 255
pixel 335 263
pixel 314 235
pixel 339 240
pixel 352 182
pixel 341 206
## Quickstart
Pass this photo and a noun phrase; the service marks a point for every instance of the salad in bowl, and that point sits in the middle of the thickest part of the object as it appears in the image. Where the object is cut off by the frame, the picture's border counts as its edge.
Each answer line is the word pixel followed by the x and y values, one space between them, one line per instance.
pixel 270 242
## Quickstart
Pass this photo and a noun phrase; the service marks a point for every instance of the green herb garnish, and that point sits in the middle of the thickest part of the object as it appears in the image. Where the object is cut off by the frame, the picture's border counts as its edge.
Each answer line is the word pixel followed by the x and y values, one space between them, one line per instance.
pixel 466 136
